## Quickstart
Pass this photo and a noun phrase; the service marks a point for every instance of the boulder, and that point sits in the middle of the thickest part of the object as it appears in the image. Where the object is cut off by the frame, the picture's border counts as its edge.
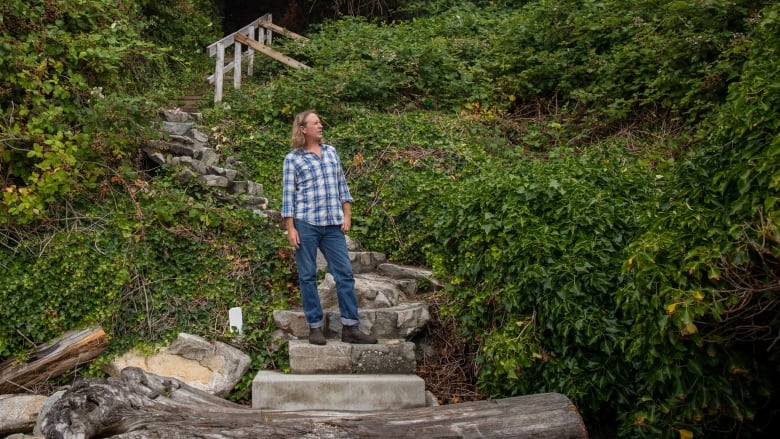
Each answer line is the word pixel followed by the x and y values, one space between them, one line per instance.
pixel 18 412
pixel 214 367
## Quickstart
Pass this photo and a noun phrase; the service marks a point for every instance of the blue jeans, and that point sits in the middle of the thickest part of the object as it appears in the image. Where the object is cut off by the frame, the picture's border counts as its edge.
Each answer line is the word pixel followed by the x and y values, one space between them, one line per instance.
pixel 331 241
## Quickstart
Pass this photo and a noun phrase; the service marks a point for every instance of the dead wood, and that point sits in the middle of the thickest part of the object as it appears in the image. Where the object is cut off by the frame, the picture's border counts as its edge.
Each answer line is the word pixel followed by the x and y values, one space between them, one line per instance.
pixel 72 349
pixel 143 405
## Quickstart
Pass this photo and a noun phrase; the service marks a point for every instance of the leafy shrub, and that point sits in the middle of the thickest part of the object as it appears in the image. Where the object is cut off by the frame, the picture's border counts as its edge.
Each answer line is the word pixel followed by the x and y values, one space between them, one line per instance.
pixel 175 260
pixel 535 249
pixel 704 289
pixel 70 74
pixel 614 58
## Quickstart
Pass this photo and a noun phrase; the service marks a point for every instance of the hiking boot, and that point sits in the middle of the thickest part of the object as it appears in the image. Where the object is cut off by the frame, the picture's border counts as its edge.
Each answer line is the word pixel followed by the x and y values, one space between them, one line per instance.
pixel 316 336
pixel 351 334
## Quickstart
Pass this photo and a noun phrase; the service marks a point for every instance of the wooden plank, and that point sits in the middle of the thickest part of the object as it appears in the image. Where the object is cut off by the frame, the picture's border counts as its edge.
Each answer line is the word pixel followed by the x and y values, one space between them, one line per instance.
pixel 141 404
pixel 281 30
pixel 72 349
pixel 227 68
pixel 227 40
pixel 265 50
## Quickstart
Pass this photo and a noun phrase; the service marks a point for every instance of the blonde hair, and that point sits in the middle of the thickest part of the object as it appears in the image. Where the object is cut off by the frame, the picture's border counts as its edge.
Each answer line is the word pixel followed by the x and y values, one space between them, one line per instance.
pixel 297 140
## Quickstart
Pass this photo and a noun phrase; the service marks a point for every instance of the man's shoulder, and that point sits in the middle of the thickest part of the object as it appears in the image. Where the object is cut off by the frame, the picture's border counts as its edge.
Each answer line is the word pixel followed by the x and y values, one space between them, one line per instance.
pixel 293 154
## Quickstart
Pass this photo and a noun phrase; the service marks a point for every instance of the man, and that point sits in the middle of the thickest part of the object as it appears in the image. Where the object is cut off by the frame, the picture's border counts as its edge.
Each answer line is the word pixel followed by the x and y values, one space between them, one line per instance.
pixel 317 212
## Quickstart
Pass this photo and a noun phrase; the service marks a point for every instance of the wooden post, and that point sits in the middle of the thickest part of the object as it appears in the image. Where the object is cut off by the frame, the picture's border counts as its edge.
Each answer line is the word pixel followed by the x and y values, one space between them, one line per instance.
pixel 250 53
pixel 237 65
pixel 269 34
pixel 219 73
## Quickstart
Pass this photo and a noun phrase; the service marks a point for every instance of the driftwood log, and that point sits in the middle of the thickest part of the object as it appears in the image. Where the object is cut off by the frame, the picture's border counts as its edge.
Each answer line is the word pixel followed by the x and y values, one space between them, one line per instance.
pixel 142 405
pixel 52 360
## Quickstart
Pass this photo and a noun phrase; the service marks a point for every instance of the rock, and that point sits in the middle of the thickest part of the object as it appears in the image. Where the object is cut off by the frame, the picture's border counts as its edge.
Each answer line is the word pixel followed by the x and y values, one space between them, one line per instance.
pixel 292 322
pixel 402 321
pixel 214 367
pixel 209 156
pixel 214 181
pixel 199 136
pixel 185 176
pixel 408 272
pixel 177 128
pixel 18 412
pixel 371 291
pixel 182 149
pixel 364 262
pixel 176 115
pixel 156 157
pixel 227 173
pixel 47 406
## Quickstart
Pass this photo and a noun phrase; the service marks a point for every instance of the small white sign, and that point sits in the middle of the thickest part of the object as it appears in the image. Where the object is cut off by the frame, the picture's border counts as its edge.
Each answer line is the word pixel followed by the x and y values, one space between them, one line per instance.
pixel 236 320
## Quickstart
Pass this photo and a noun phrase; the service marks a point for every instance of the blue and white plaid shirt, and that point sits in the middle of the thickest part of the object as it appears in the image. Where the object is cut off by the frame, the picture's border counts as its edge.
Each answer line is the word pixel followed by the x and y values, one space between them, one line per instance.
pixel 314 189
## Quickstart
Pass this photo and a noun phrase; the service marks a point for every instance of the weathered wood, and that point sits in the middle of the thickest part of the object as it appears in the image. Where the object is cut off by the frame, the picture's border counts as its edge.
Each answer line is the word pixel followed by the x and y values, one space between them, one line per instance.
pixel 61 355
pixel 281 30
pixel 227 40
pixel 143 405
pixel 262 48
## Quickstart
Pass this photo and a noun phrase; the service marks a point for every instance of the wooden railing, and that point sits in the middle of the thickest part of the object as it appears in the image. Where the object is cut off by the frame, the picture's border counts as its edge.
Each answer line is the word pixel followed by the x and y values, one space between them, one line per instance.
pixel 256 36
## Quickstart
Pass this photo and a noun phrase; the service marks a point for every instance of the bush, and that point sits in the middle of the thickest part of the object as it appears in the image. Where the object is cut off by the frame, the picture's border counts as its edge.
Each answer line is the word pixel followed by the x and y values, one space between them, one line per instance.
pixel 612 59
pixel 704 292
pixel 535 249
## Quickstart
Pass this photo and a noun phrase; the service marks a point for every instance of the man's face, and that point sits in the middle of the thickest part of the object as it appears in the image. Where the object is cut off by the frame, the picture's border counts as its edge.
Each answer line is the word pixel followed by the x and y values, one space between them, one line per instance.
pixel 312 128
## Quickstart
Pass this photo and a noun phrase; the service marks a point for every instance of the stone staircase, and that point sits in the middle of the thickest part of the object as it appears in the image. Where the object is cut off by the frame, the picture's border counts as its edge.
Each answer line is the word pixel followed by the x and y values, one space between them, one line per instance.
pixel 343 376
pixel 187 148
pixel 337 376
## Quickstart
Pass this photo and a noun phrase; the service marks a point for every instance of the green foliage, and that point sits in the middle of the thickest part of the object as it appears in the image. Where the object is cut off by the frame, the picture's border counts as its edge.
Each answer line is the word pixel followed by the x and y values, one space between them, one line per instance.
pixel 432 62
pixel 704 291
pixel 535 250
pixel 175 260
pixel 56 282
pixel 613 58
pixel 529 151
pixel 70 73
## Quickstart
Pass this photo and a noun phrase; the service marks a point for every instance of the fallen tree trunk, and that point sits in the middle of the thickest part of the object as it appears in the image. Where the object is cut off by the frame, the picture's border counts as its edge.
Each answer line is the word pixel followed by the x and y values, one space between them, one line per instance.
pixel 143 405
pixel 52 360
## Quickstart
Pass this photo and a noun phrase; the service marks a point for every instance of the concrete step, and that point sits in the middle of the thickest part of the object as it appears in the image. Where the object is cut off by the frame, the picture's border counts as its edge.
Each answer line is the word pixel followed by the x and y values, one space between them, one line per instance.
pixel 337 357
pixel 277 391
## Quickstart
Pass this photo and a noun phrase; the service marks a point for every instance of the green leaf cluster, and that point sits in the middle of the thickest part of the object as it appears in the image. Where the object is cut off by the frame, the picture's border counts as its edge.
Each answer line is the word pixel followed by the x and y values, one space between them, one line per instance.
pixel 153 261
pixel 704 291
pixel 535 249
pixel 71 74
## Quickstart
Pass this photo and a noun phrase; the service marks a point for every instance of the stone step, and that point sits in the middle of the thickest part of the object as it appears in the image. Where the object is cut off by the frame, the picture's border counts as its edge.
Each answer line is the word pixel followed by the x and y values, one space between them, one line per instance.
pixel 277 391
pixel 422 277
pixel 362 261
pixel 372 291
pixel 337 357
pixel 400 321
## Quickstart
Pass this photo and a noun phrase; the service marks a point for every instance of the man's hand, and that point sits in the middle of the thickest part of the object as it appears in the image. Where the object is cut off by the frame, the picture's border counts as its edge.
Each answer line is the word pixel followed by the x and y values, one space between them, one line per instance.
pixel 293 238
pixel 347 224
pixel 292 233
